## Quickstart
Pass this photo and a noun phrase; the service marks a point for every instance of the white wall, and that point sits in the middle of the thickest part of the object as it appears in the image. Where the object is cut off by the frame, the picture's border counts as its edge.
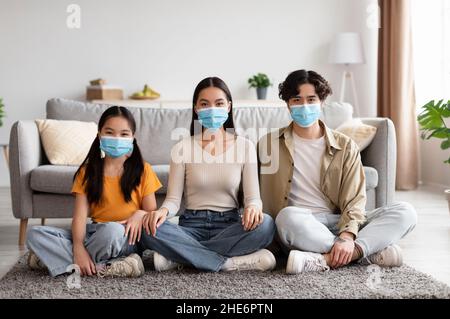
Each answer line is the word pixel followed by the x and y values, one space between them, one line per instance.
pixel 170 45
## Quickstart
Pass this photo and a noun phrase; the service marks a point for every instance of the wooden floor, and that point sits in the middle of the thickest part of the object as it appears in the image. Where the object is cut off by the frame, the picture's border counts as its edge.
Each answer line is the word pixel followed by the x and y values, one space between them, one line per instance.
pixel 427 248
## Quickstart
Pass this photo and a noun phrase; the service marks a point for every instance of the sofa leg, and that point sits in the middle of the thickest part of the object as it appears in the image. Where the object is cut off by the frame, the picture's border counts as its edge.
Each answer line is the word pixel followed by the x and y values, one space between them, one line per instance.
pixel 43 221
pixel 23 231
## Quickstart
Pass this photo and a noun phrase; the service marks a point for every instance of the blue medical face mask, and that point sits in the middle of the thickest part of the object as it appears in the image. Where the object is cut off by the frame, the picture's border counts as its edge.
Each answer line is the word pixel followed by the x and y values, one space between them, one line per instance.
pixel 213 118
pixel 305 115
pixel 116 146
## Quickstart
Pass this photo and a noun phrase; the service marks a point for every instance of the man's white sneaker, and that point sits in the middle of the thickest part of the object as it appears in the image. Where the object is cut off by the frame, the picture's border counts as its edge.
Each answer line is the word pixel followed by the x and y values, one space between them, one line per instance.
pixel 262 260
pixel 161 263
pixel 130 266
pixel 391 256
pixel 300 261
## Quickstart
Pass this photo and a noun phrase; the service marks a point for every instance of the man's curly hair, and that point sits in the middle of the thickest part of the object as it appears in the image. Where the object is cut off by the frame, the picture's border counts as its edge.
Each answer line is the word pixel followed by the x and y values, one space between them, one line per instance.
pixel 290 87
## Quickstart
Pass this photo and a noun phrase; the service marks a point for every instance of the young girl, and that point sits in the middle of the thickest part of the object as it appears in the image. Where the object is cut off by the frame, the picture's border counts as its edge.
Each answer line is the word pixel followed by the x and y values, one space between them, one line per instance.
pixel 208 168
pixel 115 187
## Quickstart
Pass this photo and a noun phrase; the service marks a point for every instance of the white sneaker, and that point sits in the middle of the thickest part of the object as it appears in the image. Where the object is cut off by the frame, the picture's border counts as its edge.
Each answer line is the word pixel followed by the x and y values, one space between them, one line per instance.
pixel 262 260
pixel 391 256
pixel 130 266
pixel 34 262
pixel 300 261
pixel 163 264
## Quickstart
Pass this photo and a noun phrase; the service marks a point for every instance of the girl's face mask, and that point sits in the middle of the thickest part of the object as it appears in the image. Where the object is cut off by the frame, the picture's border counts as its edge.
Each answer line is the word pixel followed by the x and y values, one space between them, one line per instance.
pixel 116 146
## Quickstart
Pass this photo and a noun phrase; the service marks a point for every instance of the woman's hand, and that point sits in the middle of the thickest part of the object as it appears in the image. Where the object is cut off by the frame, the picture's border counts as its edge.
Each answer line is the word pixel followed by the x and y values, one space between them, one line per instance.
pixel 342 251
pixel 133 226
pixel 82 258
pixel 154 219
pixel 252 217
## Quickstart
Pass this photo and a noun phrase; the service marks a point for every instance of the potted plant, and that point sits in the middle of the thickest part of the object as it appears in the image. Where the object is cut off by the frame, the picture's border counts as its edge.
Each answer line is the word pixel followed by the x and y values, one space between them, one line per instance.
pixel 432 124
pixel 2 112
pixel 261 82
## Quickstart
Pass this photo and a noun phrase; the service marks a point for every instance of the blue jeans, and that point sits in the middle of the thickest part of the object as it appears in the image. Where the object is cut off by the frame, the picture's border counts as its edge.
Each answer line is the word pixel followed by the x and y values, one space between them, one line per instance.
pixel 205 239
pixel 53 246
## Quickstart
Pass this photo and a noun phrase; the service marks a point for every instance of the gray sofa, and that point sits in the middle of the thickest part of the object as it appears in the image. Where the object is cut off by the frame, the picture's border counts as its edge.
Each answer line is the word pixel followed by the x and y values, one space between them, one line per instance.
pixel 41 190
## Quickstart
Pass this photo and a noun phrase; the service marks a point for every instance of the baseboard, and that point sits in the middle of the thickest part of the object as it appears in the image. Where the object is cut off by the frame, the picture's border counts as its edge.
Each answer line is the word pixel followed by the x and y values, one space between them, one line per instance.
pixel 437 185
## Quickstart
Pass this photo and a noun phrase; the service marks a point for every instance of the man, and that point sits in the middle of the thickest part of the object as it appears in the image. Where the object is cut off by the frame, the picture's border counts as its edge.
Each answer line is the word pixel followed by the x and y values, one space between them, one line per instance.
pixel 317 195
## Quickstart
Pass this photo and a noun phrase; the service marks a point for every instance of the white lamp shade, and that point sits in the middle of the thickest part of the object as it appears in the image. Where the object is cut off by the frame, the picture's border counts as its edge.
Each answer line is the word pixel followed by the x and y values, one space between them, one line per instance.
pixel 346 48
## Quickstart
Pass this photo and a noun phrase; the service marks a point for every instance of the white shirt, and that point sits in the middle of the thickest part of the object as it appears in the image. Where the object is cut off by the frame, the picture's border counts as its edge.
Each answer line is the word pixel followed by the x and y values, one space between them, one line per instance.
pixel 305 187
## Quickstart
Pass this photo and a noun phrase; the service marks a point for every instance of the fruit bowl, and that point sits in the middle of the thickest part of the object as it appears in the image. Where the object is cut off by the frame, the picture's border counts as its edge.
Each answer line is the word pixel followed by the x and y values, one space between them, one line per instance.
pixel 146 94
pixel 143 97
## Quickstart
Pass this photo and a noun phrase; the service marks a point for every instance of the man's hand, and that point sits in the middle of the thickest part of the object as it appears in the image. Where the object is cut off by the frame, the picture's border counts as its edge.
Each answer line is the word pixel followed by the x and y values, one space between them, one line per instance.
pixel 252 217
pixel 154 219
pixel 133 226
pixel 342 251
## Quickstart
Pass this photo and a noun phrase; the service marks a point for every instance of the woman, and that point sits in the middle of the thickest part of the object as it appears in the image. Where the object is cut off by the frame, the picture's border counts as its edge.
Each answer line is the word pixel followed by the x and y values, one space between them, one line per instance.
pixel 209 168
pixel 115 187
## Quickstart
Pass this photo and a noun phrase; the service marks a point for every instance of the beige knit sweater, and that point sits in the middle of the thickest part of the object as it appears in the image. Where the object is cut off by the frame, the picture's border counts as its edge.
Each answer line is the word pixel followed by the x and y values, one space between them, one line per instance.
pixel 212 182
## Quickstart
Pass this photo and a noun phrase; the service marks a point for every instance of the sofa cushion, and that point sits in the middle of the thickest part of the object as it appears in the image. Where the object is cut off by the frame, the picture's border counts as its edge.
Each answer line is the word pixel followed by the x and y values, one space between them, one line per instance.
pixel 335 114
pixel 362 134
pixel 66 142
pixel 53 178
pixel 59 179
pixel 255 122
pixel 371 177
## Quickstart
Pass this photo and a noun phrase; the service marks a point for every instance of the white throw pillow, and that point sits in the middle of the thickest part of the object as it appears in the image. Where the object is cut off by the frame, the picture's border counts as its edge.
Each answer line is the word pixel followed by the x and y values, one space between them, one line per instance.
pixel 359 132
pixel 66 142
pixel 335 114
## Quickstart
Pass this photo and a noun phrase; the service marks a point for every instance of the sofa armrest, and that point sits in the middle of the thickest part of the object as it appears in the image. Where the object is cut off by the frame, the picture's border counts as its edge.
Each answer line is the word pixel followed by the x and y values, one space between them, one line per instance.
pixel 381 154
pixel 25 154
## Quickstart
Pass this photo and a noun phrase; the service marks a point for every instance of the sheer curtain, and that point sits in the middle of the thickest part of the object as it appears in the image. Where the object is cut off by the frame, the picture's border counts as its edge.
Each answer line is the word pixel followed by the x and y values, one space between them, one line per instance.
pixel 431 44
pixel 396 95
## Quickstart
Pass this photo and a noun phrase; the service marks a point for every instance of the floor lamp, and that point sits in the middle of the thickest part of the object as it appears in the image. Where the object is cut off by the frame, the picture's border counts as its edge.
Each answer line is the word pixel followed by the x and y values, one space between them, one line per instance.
pixel 346 48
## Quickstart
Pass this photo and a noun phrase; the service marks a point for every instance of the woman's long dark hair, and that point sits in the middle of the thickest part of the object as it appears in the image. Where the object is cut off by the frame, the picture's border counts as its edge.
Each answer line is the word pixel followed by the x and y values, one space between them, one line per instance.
pixel 217 83
pixel 93 163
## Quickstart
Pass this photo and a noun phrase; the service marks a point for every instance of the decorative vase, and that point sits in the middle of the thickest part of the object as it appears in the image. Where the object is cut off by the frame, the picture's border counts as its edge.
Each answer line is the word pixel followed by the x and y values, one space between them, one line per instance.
pixel 261 93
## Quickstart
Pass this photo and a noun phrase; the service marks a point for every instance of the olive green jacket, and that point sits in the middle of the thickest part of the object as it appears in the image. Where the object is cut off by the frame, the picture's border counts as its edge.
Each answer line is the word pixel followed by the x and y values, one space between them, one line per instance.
pixel 342 178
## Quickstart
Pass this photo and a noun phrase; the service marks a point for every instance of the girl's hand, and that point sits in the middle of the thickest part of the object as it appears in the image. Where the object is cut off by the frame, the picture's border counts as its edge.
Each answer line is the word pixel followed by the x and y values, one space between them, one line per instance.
pixel 154 219
pixel 133 226
pixel 82 258
pixel 252 217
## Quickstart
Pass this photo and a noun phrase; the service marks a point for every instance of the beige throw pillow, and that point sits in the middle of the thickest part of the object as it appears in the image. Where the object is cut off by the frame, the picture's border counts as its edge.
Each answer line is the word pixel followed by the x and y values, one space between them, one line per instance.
pixel 359 132
pixel 66 142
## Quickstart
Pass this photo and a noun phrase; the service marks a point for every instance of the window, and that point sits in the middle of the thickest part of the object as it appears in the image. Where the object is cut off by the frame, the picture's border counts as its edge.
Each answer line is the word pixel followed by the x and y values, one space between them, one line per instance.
pixel 431 49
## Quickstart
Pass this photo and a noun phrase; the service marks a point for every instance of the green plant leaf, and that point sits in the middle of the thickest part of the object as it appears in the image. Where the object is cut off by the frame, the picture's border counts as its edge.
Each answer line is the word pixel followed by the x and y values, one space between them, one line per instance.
pixel 441 133
pixel 260 80
pixel 445 144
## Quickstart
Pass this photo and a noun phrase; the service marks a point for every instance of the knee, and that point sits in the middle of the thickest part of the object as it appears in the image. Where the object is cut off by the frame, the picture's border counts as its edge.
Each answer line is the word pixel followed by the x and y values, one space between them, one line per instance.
pixel 289 218
pixel 166 228
pixel 111 233
pixel 267 227
pixel 163 231
pixel 34 234
pixel 406 214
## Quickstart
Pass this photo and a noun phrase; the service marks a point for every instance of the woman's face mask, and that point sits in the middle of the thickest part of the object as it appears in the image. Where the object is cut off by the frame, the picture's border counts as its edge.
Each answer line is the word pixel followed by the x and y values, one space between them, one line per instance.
pixel 305 115
pixel 212 118
pixel 116 146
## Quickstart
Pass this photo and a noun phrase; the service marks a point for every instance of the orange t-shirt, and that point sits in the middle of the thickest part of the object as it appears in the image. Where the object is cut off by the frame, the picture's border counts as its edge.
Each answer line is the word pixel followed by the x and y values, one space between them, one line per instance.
pixel 113 206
